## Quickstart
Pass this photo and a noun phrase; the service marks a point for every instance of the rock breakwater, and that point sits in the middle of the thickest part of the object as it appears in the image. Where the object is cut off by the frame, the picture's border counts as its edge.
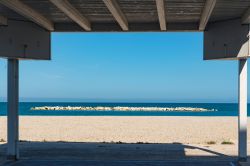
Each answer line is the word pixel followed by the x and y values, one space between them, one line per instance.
pixel 120 108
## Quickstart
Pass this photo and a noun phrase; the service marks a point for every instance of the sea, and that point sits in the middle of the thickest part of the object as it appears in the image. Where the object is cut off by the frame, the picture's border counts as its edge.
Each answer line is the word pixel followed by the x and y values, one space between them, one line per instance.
pixel 220 109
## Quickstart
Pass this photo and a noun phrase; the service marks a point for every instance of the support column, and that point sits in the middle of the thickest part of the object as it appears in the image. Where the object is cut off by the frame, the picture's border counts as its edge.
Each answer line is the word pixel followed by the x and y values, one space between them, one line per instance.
pixel 242 118
pixel 12 97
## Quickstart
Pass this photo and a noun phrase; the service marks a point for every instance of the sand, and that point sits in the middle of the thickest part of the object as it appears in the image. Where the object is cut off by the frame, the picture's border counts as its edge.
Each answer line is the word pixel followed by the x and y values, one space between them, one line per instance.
pixel 152 129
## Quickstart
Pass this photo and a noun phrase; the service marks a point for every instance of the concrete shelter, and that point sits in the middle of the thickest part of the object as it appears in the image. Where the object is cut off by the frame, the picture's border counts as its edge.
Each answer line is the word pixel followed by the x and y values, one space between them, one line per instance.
pixel 26 26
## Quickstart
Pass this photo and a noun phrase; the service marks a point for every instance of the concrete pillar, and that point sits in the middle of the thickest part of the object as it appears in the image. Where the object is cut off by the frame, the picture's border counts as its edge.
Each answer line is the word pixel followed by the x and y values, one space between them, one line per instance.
pixel 242 118
pixel 12 122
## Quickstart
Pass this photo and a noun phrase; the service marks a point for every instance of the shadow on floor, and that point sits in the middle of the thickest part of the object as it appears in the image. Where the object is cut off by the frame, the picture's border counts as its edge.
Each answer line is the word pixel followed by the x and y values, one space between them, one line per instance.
pixel 70 153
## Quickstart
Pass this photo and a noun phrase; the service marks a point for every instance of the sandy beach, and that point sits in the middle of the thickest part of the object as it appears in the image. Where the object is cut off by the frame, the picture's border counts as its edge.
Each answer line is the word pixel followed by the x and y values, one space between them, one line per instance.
pixel 152 129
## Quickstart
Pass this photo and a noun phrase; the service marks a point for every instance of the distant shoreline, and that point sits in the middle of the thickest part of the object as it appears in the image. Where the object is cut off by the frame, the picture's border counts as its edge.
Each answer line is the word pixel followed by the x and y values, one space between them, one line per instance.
pixel 110 110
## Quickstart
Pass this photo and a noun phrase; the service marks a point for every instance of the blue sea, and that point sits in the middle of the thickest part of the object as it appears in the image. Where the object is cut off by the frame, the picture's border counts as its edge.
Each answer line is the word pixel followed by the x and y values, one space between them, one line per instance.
pixel 222 109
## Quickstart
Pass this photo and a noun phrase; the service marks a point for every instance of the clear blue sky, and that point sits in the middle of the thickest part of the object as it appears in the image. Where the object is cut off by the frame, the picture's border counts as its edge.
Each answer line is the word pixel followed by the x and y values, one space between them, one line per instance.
pixel 128 67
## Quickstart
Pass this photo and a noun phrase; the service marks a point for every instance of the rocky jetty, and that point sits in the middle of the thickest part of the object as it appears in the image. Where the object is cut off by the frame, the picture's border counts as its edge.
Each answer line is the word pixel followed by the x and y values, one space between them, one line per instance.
pixel 120 108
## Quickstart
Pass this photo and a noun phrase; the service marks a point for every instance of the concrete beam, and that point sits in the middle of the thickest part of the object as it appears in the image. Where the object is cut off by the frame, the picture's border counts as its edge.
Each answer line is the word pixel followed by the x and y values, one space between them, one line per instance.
pixel 114 8
pixel 72 13
pixel 161 14
pixel 133 27
pixel 26 11
pixel 246 17
pixel 206 13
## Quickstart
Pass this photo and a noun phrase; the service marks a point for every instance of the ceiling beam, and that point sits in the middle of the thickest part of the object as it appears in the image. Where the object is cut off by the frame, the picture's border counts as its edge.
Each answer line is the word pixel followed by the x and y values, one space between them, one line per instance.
pixel 161 14
pixel 72 13
pixel 114 8
pixel 3 20
pixel 29 13
pixel 133 27
pixel 246 17
pixel 206 13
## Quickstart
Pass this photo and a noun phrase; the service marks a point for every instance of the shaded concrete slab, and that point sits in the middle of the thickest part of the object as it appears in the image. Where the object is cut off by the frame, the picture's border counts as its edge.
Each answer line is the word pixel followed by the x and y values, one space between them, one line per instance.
pixel 245 163
pixel 115 163
pixel 120 154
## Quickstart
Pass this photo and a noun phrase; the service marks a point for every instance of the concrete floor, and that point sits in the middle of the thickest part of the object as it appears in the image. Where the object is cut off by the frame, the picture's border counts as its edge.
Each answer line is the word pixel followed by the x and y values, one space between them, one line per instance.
pixel 116 163
pixel 117 154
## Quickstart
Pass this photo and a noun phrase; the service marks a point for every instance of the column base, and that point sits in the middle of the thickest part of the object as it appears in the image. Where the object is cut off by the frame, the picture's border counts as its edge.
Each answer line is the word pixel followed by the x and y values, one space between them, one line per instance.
pixel 244 163
pixel 12 157
pixel 242 159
